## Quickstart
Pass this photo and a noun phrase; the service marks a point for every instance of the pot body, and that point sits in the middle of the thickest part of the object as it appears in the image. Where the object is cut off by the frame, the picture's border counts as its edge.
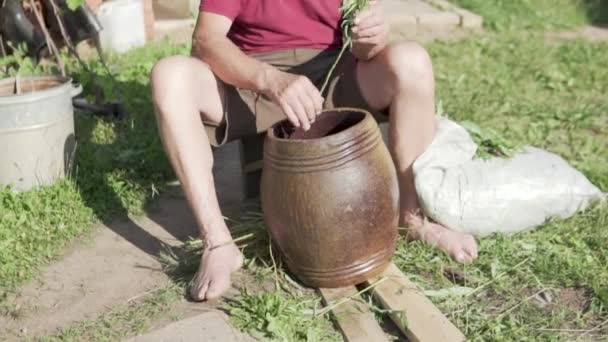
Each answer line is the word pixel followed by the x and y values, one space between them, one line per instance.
pixel 37 142
pixel 331 202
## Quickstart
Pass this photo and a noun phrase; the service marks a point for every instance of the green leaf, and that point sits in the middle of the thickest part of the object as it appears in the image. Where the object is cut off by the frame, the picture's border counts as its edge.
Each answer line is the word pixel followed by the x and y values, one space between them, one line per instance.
pixel 74 4
pixel 602 295
pixel 402 315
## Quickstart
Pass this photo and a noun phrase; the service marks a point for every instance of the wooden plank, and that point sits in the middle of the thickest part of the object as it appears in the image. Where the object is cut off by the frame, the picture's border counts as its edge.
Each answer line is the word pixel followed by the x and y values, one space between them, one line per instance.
pixel 414 313
pixel 354 318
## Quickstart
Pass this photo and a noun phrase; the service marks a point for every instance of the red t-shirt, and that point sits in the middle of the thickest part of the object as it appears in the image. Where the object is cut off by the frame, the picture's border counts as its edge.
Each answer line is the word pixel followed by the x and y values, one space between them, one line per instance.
pixel 268 25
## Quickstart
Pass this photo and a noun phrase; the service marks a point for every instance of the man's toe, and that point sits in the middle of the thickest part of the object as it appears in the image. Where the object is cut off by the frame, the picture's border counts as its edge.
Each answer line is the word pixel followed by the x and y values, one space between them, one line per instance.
pixel 472 249
pixel 217 288
pixel 198 291
pixel 464 256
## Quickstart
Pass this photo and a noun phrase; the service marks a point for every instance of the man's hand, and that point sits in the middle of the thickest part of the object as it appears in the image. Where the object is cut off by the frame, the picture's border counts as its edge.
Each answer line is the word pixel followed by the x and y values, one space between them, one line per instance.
pixel 370 31
pixel 299 99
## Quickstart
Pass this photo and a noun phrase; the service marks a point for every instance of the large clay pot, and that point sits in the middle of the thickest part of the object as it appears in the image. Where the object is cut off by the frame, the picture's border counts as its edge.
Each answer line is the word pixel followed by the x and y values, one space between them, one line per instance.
pixel 330 198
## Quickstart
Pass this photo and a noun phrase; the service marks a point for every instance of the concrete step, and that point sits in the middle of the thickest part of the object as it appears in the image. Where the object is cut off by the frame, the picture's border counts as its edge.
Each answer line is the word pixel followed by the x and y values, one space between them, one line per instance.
pixel 411 18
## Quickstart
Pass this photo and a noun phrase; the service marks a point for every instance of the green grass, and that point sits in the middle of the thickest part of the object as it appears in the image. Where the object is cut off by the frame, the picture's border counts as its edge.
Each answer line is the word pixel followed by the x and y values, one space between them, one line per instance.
pixel 518 88
pixel 34 226
pixel 279 316
pixel 547 95
pixel 271 307
pixel 120 322
pixel 120 168
pixel 550 95
pixel 505 15
pixel 555 259
pixel 121 163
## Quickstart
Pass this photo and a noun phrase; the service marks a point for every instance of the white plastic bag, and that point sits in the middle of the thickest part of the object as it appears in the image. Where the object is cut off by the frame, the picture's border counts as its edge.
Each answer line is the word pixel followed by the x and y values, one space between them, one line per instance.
pixel 498 195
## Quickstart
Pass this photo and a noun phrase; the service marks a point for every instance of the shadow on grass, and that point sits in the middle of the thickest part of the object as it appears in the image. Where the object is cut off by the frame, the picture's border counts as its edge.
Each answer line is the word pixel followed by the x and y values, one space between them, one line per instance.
pixel 121 167
pixel 596 11
pixel 117 160
pixel 263 260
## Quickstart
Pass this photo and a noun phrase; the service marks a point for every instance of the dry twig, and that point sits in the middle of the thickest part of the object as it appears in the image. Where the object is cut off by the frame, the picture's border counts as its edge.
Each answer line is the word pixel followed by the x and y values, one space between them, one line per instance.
pixel 49 40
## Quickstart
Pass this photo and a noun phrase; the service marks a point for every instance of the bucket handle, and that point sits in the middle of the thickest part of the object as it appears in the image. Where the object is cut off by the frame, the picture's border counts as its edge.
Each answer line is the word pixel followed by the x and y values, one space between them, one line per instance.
pixel 76 89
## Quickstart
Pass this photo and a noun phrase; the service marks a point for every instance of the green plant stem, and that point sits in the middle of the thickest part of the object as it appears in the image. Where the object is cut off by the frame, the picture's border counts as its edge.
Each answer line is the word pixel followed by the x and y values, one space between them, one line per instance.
pixel 496 278
pixel 233 241
pixel 344 300
pixel 333 67
pixel 349 9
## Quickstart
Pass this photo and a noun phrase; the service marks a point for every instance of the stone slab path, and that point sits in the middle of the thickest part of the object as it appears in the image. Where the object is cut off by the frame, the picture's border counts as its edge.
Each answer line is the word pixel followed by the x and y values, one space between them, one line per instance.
pixel 211 326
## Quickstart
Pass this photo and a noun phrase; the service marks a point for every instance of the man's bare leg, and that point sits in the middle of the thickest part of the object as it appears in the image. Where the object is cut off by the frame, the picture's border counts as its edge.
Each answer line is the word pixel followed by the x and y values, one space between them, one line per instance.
pixel 185 89
pixel 401 78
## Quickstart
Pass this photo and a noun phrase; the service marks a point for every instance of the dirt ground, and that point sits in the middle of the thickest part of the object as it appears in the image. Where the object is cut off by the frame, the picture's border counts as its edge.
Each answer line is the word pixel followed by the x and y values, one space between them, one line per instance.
pixel 117 264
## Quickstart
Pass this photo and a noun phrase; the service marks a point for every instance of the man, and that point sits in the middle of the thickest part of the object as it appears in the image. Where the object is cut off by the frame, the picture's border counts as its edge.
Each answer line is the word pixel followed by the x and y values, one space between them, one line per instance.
pixel 256 62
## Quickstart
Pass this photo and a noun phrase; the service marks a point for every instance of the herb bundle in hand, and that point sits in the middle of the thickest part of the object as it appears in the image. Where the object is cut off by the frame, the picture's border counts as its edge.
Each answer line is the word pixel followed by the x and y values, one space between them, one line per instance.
pixel 349 10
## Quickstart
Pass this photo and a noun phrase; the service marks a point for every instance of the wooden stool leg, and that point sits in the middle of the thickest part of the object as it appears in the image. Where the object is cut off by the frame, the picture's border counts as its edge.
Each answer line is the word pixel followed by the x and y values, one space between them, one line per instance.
pixel 252 154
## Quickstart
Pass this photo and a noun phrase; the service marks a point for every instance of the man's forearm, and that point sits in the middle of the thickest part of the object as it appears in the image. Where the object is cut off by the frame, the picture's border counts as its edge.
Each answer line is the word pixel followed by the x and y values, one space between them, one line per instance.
pixel 232 65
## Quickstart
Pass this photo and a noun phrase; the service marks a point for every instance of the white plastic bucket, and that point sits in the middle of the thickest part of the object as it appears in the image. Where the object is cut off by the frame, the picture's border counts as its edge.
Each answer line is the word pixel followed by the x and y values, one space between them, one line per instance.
pixel 123 25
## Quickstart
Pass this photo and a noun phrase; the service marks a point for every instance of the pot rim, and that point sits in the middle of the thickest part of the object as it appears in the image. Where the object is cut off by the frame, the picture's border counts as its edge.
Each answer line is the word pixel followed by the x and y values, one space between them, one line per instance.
pixel 337 136
pixel 65 85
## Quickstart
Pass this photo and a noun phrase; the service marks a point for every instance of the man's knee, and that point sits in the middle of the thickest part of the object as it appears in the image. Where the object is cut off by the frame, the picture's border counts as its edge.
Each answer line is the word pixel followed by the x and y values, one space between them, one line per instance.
pixel 174 78
pixel 169 70
pixel 410 64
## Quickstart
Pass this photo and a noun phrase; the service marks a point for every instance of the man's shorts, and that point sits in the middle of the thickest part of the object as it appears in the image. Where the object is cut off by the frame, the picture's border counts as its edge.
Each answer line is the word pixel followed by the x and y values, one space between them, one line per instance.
pixel 247 113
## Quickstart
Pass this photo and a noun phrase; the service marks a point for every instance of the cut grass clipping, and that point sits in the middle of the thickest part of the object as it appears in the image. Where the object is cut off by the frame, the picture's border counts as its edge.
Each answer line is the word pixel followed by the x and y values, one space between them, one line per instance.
pixel 489 142
pixel 285 313
pixel 279 316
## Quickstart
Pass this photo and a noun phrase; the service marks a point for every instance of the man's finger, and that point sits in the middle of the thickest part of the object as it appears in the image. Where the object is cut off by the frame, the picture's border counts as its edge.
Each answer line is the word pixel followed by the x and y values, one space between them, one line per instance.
pixel 317 100
pixel 371 40
pixel 290 114
pixel 368 11
pixel 362 16
pixel 309 106
pixel 370 32
pixel 369 22
pixel 300 113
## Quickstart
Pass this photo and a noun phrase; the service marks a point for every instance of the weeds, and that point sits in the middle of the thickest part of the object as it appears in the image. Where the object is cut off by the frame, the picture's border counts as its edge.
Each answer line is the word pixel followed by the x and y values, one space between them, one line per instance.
pixel 119 322
pixel 120 167
pixel 286 313
pixel 489 142
pixel 278 316
pixel 34 226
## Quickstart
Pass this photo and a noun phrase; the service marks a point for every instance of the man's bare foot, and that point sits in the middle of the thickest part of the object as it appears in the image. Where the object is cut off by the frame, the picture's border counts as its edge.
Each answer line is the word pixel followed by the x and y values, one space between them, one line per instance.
pixel 213 276
pixel 460 246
